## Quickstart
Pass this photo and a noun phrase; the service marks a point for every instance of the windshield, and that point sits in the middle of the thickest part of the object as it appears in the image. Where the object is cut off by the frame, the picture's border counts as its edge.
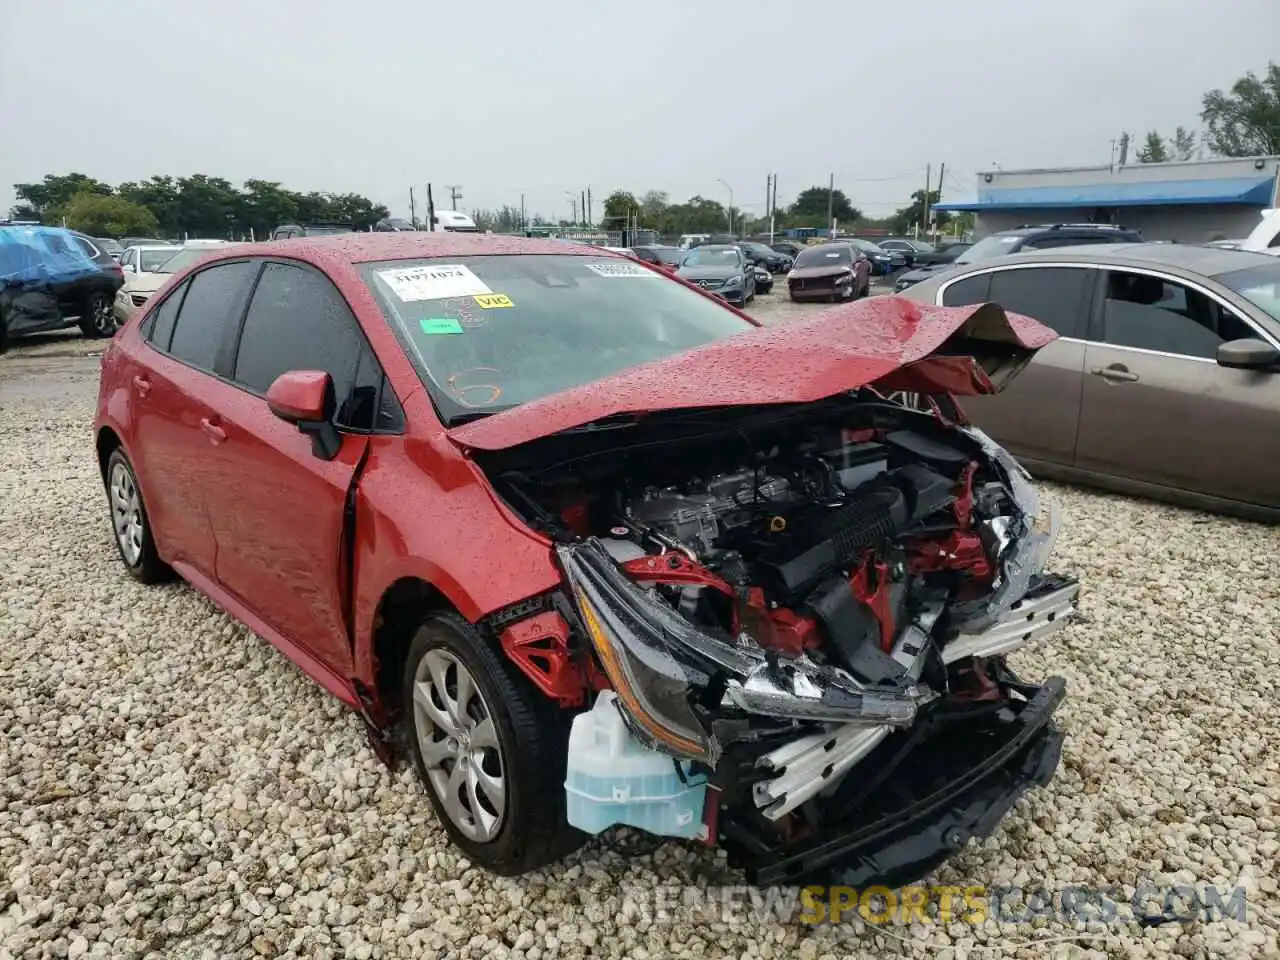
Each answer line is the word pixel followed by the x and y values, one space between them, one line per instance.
pixel 670 254
pixel 989 247
pixel 183 259
pixel 491 332
pixel 149 260
pixel 712 257
pixel 825 256
pixel 1259 285
pixel 920 246
pixel 866 246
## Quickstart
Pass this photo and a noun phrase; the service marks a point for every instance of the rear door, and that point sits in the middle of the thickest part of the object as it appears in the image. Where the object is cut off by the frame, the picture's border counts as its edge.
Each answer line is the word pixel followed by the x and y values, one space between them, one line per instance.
pixel 175 419
pixel 1157 407
pixel 278 514
pixel 1037 415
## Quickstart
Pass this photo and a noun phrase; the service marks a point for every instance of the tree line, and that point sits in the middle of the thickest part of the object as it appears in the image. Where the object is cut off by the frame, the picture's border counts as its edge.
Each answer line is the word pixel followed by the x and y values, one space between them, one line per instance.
pixel 1241 122
pixel 198 206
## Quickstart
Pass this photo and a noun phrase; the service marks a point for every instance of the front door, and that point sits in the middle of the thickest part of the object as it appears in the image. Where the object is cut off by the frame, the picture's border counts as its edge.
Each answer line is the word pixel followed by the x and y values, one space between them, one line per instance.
pixel 1157 408
pixel 278 512
pixel 1036 416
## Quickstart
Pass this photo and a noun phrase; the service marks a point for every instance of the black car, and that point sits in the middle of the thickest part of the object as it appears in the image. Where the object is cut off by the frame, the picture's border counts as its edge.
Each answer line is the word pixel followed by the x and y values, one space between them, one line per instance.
pixel 287 231
pixel 947 251
pixel 910 248
pixel 1042 237
pixel 789 247
pixel 51 278
pixel 764 256
pixel 721 269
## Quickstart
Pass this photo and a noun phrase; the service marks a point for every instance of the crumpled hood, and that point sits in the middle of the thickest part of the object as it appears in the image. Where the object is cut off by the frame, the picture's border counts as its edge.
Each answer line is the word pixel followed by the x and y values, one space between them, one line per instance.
pixel 889 343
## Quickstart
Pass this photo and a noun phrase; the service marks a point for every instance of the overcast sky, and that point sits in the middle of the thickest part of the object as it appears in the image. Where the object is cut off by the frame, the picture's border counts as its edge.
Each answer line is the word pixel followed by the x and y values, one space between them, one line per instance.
pixel 547 97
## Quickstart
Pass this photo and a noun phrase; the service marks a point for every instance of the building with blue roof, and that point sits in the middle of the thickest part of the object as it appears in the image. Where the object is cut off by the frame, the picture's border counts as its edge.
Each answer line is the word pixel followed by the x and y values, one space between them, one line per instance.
pixel 1191 201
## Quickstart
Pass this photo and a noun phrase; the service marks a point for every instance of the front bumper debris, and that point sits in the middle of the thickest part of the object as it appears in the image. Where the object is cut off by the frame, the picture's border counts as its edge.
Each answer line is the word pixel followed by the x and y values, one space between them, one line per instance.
pixel 928 790
pixel 1046 608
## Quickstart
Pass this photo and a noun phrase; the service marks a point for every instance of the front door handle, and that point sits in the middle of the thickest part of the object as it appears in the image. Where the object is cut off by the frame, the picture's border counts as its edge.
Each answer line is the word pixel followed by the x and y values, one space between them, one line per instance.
pixel 1116 373
pixel 142 385
pixel 214 432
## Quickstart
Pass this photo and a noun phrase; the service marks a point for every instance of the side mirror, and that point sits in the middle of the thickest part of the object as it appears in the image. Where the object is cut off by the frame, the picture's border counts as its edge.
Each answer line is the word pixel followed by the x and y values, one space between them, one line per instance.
pixel 1248 354
pixel 128 268
pixel 305 398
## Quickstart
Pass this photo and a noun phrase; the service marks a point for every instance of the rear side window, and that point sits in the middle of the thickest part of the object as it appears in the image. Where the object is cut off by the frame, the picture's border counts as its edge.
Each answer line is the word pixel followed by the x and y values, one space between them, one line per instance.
pixel 158 327
pixel 297 321
pixel 212 307
pixel 973 289
pixel 1056 296
pixel 87 248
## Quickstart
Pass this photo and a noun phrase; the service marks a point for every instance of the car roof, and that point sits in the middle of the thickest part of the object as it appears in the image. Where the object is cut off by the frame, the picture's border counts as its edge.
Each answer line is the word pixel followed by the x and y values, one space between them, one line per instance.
pixel 1204 260
pixel 354 248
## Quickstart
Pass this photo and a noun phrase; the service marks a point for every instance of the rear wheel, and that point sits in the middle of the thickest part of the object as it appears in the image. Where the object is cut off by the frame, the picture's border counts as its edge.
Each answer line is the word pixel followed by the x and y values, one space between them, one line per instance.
pixel 130 523
pixel 489 749
pixel 96 318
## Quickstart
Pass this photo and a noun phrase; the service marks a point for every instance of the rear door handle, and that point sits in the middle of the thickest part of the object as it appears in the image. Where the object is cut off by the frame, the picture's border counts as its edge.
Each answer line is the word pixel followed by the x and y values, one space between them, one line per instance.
pixel 212 430
pixel 1116 373
pixel 142 385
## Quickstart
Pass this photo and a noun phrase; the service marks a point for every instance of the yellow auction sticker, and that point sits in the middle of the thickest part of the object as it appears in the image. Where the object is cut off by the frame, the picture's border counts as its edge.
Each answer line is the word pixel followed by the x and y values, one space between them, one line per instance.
pixel 491 300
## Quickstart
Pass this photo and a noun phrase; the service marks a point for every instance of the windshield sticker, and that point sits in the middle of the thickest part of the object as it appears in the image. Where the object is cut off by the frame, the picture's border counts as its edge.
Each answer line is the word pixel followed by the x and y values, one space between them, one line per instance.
pixel 619 268
pixel 831 256
pixel 438 281
pixel 432 326
pixel 492 300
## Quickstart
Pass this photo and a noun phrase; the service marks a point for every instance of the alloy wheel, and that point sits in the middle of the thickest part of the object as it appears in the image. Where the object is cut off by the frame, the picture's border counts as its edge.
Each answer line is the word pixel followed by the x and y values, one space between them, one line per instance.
pixel 104 322
pixel 457 738
pixel 126 513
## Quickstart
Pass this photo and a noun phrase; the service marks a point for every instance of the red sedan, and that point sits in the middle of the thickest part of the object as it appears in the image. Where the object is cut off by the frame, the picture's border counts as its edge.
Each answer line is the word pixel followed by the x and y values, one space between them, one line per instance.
pixel 603 549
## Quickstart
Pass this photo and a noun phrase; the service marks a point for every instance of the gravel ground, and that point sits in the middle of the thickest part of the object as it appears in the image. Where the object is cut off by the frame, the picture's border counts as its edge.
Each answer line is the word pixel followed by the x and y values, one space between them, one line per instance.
pixel 172 787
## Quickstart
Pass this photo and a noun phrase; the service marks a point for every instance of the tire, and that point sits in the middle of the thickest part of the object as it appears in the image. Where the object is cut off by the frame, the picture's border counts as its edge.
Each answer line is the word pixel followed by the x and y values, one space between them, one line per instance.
pixel 97 318
pixel 530 741
pixel 130 524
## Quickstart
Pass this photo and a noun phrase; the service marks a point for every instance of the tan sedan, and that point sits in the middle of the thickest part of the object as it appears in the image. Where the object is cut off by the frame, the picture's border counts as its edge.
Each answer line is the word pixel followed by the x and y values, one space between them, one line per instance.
pixel 1165 381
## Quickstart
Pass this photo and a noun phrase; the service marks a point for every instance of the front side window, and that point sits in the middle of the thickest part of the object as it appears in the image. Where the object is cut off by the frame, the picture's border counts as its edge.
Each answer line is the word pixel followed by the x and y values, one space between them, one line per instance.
pixel 1150 313
pixel 213 304
pixel 490 332
pixel 297 321
pixel 1056 296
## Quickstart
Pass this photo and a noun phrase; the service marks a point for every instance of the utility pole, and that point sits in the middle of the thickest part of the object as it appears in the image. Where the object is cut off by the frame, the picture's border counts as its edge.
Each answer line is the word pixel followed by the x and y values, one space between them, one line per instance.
pixel 730 189
pixel 582 207
pixel 413 210
pixel 933 217
pixel 455 194
pixel 831 196
pixel 590 218
pixel 924 207
pixel 524 222
pixel 431 210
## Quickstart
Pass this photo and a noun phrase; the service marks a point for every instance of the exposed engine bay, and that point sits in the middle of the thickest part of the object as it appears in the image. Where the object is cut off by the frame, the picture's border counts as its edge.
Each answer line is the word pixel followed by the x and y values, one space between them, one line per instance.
pixel 779 597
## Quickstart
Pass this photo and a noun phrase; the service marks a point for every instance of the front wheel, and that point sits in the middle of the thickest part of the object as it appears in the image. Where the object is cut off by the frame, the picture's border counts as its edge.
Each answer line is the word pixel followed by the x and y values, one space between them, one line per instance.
pixel 490 750
pixel 97 319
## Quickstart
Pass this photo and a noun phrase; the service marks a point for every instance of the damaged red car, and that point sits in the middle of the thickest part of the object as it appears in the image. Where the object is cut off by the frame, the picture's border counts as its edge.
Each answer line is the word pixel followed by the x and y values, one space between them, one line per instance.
pixel 592 548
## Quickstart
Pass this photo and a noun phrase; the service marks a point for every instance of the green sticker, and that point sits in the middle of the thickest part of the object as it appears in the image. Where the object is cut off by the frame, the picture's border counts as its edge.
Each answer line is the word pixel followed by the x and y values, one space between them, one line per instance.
pixel 436 325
